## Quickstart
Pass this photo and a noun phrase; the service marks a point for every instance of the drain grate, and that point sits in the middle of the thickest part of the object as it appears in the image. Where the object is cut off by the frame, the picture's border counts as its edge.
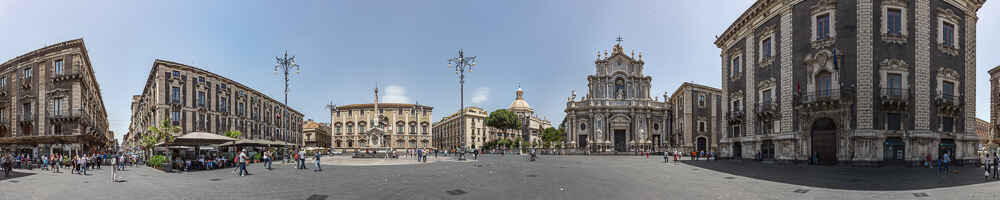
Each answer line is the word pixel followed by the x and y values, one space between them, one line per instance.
pixel 921 194
pixel 14 181
pixel 215 179
pixel 730 177
pixel 317 197
pixel 456 192
pixel 532 175
pixel 801 191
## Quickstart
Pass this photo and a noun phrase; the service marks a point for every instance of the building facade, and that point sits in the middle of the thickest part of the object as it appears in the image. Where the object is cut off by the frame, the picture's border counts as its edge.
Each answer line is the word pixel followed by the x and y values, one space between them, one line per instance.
pixel 994 105
pixel 448 130
pixel 197 100
pixel 397 126
pixel 50 102
pixel 617 114
pixel 315 134
pixel 531 125
pixel 697 118
pixel 853 81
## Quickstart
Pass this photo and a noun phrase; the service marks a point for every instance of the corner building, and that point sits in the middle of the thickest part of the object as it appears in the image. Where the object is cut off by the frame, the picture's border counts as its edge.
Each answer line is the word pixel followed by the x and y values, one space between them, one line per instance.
pixel 404 126
pixel 50 102
pixel 697 118
pixel 852 81
pixel 201 101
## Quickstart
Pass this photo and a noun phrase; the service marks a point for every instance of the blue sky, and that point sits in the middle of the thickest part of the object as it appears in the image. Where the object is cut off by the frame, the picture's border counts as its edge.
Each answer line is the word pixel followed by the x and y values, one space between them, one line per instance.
pixel 346 47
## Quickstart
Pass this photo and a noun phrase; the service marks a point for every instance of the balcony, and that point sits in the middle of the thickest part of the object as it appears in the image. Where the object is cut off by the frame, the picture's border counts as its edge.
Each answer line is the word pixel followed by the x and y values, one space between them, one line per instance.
pixel 72 114
pixel 894 98
pixel 767 111
pixel 66 76
pixel 735 117
pixel 948 104
pixel 822 99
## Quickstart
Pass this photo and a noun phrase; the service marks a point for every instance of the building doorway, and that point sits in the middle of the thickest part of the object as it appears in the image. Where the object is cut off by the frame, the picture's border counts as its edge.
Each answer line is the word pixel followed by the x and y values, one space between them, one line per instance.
pixel 824 141
pixel 895 149
pixel 737 150
pixel 620 140
pixel 702 144
pixel 767 150
pixel 656 141
pixel 946 146
pixel 582 139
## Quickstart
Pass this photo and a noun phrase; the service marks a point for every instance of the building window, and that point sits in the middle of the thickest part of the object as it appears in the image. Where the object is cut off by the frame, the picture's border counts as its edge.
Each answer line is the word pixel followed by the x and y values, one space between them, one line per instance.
pixel 361 128
pixel 58 65
pixel 27 110
pixel 947 124
pixel 338 130
pixel 175 94
pixel 425 129
pixel 701 100
pixel 894 21
pixel 583 126
pixel 3 82
pixel 57 106
pixel 176 73
pixel 823 27
pixel 175 117
pixel 735 65
pixel 399 129
pixel 892 121
pixel 948 89
pixel 765 48
pixel 823 84
pixel 948 34
pixel 201 99
pixel 701 126
pixel 895 83
pixel 765 97
pixel 27 73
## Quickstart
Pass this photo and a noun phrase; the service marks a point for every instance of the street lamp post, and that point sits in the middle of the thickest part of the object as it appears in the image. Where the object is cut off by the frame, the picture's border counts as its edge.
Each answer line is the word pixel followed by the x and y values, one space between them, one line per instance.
pixel 285 65
pixel 461 63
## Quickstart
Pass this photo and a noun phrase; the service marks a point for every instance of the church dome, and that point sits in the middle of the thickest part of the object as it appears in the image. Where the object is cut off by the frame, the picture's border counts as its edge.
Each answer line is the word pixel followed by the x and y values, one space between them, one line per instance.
pixel 520 103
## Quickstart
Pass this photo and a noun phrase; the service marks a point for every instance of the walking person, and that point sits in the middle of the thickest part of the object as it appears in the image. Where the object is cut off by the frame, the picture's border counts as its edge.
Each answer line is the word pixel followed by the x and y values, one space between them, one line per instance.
pixel 666 157
pixel 318 168
pixel 420 154
pixel 947 160
pixel 243 163
pixel 83 165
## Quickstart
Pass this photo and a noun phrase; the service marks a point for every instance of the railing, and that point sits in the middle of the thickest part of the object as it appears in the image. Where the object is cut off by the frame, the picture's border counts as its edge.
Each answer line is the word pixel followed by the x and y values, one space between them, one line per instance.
pixel 894 94
pixel 72 113
pixel 767 106
pixel 821 95
pixel 947 99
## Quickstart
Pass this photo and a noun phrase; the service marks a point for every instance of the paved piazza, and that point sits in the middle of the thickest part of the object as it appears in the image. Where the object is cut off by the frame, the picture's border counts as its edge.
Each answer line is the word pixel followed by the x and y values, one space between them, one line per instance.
pixel 511 177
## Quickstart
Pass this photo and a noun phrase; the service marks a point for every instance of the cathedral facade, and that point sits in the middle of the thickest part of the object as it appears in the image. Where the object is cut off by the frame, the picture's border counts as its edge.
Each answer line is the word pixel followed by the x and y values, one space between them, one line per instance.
pixel 617 114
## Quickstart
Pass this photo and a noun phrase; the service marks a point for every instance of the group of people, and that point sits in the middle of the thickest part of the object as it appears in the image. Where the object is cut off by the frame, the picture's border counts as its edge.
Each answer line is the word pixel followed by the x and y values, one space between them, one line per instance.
pixel 300 158
pixel 992 167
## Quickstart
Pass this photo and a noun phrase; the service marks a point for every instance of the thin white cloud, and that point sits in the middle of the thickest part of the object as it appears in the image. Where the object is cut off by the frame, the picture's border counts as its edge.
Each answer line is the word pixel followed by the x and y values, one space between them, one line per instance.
pixel 481 95
pixel 395 94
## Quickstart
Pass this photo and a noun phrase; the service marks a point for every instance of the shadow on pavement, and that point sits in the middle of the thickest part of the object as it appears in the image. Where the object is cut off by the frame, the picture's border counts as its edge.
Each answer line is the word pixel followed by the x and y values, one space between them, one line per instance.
pixel 847 178
pixel 14 174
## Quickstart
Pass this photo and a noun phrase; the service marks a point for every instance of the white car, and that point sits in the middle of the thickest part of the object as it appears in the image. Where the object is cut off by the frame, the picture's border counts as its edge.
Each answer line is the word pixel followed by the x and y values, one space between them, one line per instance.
pixel 336 152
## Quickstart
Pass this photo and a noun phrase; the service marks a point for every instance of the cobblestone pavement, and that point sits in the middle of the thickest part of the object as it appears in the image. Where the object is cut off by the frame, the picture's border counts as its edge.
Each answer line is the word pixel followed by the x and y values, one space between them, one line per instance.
pixel 512 177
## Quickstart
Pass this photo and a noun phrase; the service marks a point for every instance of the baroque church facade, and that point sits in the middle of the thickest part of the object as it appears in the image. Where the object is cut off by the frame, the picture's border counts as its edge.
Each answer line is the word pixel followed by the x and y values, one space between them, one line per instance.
pixel 617 114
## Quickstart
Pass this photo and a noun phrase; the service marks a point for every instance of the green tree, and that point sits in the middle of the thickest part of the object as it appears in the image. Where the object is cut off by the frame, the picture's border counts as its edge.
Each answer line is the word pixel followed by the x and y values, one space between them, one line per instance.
pixel 162 133
pixel 552 136
pixel 503 119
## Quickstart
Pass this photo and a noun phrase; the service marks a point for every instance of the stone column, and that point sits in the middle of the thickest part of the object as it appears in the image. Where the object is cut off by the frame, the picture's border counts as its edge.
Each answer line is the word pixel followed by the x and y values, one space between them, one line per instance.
pixel 865 69
pixel 787 89
pixel 922 65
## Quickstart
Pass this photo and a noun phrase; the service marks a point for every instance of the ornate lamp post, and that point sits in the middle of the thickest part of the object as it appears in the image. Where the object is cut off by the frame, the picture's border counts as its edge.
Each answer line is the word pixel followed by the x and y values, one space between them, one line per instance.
pixel 461 63
pixel 285 65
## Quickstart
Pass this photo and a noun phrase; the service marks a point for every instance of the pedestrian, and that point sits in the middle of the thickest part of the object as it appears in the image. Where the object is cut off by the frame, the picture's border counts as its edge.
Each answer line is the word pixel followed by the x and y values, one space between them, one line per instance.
pixel 302 159
pixel 83 165
pixel 475 153
pixel 318 168
pixel 243 163
pixel 114 170
pixel 996 167
pixel 947 160
pixel 420 154
pixel 666 157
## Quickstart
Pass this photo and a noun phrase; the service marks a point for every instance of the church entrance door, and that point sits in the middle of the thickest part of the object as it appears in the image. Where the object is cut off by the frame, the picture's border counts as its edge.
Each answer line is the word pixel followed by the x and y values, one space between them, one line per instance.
pixel 620 140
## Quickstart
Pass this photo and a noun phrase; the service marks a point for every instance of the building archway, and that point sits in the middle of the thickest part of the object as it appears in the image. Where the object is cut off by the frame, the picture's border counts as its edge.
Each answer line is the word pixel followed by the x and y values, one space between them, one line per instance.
pixel 824 141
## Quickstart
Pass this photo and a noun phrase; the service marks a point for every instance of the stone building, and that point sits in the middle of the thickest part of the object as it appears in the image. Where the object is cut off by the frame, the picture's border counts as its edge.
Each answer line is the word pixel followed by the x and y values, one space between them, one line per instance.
pixel 531 125
pixel 315 134
pixel 697 114
pixel 617 114
pixel 50 102
pixel 853 81
pixel 448 130
pixel 994 105
pixel 201 101
pixel 983 130
pixel 398 126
